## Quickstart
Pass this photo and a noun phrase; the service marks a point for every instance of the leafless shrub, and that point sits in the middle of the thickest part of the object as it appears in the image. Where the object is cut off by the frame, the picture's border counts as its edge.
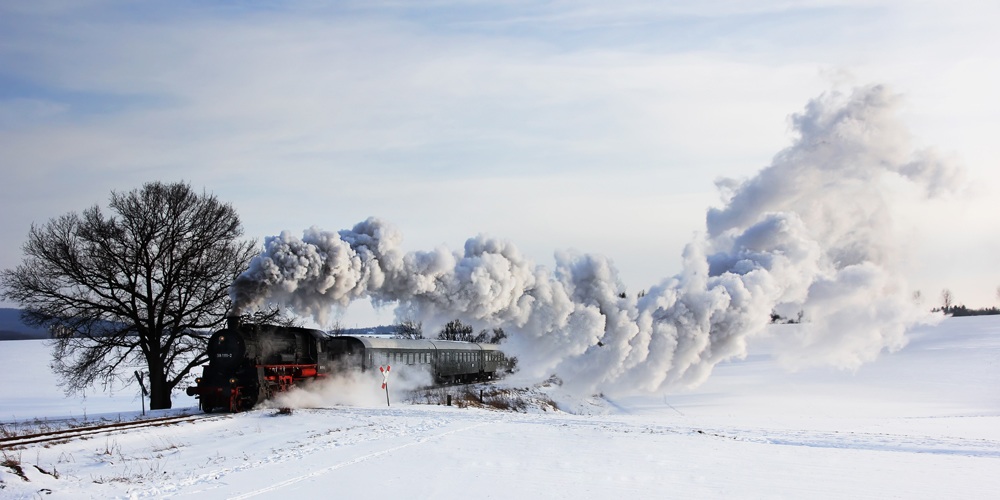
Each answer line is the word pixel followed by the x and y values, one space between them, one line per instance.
pixel 165 445
pixel 111 448
pixel 14 464
pixel 54 473
pixel 135 474
pixel 485 396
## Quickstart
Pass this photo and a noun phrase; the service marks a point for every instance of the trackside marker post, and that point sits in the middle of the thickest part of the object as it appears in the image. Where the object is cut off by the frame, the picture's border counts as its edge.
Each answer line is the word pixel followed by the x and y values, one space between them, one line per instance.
pixel 138 376
pixel 385 381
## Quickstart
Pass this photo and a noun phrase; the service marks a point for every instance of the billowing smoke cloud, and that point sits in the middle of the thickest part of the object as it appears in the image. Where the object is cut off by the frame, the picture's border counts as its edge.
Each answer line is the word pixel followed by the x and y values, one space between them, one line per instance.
pixel 351 388
pixel 810 235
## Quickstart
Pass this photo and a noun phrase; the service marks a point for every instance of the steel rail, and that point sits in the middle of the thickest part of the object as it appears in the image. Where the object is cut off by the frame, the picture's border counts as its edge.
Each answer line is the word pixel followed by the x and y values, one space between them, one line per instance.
pixel 87 431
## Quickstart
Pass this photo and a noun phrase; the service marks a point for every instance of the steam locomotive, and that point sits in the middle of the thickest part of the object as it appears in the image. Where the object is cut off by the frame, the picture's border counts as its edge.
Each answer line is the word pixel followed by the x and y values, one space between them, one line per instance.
pixel 248 364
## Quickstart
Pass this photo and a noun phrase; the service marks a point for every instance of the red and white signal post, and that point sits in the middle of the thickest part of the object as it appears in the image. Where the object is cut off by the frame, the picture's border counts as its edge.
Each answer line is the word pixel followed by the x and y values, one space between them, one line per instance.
pixel 385 381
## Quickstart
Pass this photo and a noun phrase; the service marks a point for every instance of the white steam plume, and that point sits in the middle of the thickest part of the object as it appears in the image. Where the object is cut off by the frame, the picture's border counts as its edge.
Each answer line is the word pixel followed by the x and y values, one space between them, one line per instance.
pixel 353 388
pixel 810 234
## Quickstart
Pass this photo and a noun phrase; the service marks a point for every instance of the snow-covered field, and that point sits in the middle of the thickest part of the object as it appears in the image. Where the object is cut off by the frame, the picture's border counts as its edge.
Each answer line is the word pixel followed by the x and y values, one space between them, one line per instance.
pixel 920 423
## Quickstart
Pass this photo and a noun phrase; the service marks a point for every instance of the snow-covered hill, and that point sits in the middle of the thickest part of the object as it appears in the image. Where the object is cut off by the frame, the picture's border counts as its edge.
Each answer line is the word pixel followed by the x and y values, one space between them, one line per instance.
pixel 920 423
pixel 12 328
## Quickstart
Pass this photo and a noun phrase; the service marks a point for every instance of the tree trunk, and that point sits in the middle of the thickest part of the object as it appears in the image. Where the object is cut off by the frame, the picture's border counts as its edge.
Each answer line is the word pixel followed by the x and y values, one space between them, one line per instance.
pixel 159 390
pixel 159 399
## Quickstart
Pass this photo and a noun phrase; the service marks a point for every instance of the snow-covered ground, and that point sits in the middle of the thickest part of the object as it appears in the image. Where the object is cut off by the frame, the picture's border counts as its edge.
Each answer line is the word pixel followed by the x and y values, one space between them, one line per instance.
pixel 920 423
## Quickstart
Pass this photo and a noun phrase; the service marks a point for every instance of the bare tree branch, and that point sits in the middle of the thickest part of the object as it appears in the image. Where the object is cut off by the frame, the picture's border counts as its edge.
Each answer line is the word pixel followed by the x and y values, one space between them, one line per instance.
pixel 138 285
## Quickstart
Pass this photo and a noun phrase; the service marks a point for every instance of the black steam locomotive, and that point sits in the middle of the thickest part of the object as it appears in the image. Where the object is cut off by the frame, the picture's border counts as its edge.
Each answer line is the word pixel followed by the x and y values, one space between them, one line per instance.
pixel 248 364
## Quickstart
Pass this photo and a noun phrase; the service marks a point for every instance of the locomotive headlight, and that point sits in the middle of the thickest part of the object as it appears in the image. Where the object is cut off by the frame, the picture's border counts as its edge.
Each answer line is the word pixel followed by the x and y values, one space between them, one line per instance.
pixel 232 381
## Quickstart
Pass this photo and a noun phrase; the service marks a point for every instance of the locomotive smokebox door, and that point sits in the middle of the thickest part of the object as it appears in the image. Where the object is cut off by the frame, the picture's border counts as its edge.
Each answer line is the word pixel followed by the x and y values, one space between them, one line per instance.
pixel 226 349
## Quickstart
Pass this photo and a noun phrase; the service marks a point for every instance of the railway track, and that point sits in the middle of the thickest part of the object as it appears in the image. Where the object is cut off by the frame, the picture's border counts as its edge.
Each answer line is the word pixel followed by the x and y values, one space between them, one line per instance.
pixel 95 430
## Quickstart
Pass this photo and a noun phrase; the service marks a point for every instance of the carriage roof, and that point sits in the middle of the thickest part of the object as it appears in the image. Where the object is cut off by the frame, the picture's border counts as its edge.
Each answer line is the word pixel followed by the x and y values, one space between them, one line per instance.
pixel 417 344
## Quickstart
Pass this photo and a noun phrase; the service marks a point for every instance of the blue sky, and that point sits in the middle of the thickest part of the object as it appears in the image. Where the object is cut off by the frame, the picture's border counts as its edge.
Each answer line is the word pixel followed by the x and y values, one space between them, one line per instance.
pixel 595 126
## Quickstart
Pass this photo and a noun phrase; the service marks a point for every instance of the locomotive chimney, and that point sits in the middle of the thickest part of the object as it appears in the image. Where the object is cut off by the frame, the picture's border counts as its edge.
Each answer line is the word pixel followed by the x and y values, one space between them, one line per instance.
pixel 233 322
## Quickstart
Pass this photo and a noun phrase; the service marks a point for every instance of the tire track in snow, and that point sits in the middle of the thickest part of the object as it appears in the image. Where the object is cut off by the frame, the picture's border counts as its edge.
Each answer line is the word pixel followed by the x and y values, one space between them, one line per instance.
pixel 363 458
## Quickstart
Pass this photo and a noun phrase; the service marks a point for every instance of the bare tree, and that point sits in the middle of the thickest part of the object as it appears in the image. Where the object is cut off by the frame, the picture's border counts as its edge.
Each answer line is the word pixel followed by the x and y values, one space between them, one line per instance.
pixel 498 336
pixel 456 330
pixel 272 315
pixel 337 329
pixel 409 329
pixel 136 287
pixel 947 300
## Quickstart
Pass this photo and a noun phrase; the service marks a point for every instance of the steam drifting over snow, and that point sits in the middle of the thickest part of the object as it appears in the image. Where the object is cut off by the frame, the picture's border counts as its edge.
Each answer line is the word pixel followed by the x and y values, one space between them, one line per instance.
pixel 350 388
pixel 811 234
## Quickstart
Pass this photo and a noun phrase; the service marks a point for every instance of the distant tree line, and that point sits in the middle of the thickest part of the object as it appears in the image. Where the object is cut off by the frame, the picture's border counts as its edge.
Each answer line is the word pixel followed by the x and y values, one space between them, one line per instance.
pixel 961 310
pixel 453 330
pixel 949 307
